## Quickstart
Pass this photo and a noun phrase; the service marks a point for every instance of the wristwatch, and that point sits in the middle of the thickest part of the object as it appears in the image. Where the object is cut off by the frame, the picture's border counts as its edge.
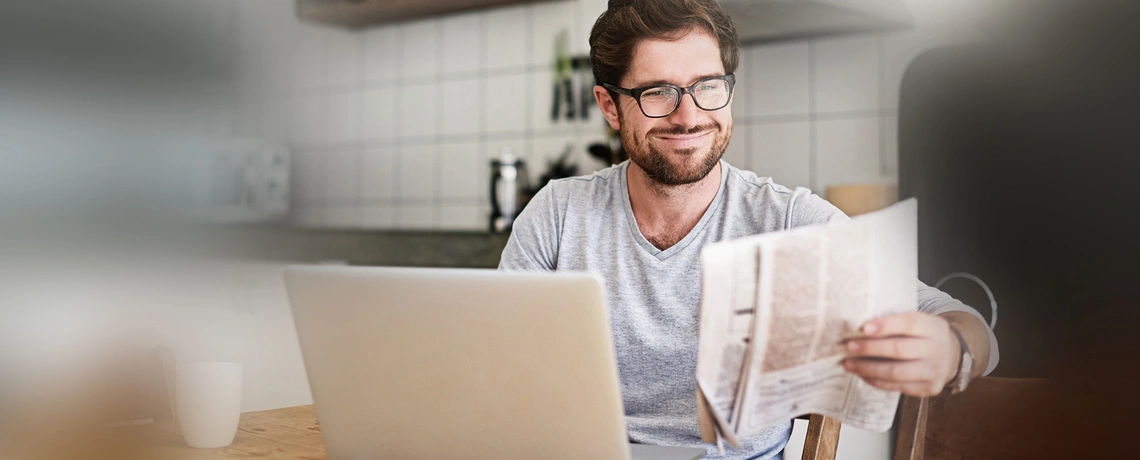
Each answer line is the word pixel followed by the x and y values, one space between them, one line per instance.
pixel 959 383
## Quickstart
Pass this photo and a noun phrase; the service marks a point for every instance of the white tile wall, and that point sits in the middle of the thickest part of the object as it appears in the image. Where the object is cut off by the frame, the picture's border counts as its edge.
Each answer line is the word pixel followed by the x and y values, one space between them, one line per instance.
pixel 379 120
pixel 506 37
pixel 276 119
pixel 541 99
pixel 462 107
pixel 381 216
pixel 341 178
pixel 309 217
pixel 394 126
pixel 417 111
pixel 419 55
pixel 417 217
pixel 377 175
pixel 463 43
pixel 308 179
pixel 506 108
pixel 344 117
pixel 459 167
pixel 307 125
pixel 846 75
pixel 308 64
pixel 381 58
pixel 546 21
pixel 265 23
pixel 779 79
pixel 740 147
pixel 461 217
pixel 742 101
pixel 587 13
pixel 782 151
pixel 889 148
pixel 418 171
pixel 847 151
pixel 342 216
pixel 342 49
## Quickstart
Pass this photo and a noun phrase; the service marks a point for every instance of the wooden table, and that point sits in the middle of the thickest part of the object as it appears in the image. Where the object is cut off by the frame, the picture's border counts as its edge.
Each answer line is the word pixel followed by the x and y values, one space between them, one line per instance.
pixel 290 433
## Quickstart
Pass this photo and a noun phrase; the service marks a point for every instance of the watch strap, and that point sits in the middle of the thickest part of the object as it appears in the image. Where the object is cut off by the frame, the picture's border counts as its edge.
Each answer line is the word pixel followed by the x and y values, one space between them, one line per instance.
pixel 966 366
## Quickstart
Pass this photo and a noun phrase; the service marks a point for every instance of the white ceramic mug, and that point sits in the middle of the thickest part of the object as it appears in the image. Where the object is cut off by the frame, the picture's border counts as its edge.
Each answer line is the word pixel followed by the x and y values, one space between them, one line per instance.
pixel 209 403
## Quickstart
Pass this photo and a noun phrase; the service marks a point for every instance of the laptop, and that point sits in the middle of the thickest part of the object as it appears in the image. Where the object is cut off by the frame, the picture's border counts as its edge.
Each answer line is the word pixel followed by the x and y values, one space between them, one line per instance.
pixel 416 363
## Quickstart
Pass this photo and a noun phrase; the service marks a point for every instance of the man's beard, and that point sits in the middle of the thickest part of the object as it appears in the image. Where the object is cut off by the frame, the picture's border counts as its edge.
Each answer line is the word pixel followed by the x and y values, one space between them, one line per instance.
pixel 660 169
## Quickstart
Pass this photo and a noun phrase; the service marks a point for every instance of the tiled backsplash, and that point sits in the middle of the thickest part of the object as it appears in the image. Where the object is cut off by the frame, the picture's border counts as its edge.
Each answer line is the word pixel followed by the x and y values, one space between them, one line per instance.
pixel 394 126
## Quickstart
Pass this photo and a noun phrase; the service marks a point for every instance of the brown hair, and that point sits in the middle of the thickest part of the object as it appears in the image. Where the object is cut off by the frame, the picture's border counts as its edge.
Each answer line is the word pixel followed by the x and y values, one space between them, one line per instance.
pixel 627 22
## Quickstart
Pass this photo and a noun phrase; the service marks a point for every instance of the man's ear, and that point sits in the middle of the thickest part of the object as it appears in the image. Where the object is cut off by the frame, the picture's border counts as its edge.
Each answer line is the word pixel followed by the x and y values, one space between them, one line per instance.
pixel 608 106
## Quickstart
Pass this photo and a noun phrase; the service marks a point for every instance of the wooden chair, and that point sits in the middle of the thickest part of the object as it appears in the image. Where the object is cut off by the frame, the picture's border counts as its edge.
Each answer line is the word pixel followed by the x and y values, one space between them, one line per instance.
pixel 822 438
pixel 995 418
pixel 820 441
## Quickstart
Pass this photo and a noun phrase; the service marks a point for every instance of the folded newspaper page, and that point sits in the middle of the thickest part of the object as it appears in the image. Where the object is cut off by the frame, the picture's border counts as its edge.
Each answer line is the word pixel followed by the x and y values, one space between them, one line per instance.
pixel 775 310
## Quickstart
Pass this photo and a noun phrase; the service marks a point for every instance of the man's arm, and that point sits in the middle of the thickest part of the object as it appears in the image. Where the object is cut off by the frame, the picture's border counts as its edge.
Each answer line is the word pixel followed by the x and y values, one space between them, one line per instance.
pixel 533 244
pixel 915 353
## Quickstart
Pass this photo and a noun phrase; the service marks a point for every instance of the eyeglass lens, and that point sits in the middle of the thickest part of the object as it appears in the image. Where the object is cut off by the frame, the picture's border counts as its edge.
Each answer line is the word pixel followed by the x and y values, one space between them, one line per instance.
pixel 709 94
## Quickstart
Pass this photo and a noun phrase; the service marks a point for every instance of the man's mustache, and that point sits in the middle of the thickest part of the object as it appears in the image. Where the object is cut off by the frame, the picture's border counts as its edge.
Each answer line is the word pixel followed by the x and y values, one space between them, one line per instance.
pixel 683 131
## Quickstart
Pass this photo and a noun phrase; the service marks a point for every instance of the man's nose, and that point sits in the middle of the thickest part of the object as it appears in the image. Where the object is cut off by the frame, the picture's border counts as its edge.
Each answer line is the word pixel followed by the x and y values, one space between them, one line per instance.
pixel 687 112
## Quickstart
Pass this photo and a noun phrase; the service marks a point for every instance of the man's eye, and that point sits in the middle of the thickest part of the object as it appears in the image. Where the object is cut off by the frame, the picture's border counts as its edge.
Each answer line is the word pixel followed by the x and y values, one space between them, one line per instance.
pixel 656 93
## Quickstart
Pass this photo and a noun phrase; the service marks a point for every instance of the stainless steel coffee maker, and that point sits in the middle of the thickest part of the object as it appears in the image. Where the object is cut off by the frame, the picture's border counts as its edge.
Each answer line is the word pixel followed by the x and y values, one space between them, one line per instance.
pixel 508 181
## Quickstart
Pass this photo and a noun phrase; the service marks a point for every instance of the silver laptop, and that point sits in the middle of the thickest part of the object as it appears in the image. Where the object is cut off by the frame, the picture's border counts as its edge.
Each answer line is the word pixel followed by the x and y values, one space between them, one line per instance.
pixel 408 363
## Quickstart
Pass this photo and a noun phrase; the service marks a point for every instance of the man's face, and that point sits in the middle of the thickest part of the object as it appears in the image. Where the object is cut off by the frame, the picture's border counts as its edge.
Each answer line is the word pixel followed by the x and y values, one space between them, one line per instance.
pixel 684 146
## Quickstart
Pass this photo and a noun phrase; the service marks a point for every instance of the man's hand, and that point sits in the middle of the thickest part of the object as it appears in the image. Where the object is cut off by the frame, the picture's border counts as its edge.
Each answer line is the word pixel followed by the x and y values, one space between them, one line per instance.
pixel 915 353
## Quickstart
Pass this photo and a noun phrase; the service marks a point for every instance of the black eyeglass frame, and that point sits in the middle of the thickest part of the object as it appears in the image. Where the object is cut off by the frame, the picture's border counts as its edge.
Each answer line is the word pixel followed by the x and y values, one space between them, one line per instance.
pixel 635 93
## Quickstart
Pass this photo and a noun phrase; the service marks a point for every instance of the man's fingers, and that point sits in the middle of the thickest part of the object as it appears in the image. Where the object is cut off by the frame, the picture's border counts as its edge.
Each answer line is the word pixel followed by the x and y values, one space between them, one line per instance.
pixel 903 348
pixel 896 371
pixel 915 324
pixel 920 389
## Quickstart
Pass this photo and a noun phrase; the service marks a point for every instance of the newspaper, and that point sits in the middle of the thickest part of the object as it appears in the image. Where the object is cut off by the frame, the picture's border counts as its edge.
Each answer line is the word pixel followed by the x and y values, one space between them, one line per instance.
pixel 775 310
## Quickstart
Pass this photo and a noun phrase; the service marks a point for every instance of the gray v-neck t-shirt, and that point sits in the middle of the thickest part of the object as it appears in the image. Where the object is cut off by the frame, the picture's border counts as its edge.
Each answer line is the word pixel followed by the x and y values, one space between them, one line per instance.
pixel 586 223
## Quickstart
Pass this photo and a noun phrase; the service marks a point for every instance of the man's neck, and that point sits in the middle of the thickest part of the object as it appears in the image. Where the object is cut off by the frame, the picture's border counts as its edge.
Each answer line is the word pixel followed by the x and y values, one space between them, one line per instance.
pixel 666 213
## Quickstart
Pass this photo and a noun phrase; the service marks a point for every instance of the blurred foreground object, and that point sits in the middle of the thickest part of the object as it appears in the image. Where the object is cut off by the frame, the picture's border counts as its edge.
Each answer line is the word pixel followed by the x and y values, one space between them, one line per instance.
pixel 141 386
pixel 87 412
pixel 1023 152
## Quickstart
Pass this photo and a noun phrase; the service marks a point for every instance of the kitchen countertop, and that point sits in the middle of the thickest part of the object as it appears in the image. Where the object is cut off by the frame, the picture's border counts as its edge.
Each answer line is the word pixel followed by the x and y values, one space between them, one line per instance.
pixel 353 247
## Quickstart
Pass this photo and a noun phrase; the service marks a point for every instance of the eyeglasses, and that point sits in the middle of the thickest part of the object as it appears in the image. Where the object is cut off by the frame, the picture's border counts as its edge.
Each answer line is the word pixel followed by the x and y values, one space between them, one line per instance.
pixel 658 101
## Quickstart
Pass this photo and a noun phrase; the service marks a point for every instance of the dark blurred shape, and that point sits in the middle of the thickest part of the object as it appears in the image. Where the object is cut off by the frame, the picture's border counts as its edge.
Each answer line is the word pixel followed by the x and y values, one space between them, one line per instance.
pixel 1023 153
pixel 611 151
pixel 90 94
pixel 560 168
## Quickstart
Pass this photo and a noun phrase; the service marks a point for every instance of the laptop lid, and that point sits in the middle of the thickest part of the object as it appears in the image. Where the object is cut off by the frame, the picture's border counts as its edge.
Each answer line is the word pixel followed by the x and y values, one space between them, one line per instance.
pixel 416 363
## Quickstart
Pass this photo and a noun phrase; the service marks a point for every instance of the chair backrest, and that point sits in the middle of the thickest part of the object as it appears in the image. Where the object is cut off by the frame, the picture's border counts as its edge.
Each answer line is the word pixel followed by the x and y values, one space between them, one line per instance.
pixel 822 438
pixel 994 418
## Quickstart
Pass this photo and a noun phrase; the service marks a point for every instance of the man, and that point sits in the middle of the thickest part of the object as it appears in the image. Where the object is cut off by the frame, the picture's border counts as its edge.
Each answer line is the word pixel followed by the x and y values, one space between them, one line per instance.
pixel 664 70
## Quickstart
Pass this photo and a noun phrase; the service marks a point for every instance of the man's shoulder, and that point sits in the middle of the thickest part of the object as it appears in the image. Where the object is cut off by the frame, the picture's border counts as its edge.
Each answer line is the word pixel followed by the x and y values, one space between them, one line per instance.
pixel 760 204
pixel 750 184
pixel 602 182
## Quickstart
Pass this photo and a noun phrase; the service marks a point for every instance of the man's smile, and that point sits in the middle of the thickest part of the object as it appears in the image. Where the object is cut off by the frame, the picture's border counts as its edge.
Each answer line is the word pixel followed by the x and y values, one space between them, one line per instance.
pixel 682 141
